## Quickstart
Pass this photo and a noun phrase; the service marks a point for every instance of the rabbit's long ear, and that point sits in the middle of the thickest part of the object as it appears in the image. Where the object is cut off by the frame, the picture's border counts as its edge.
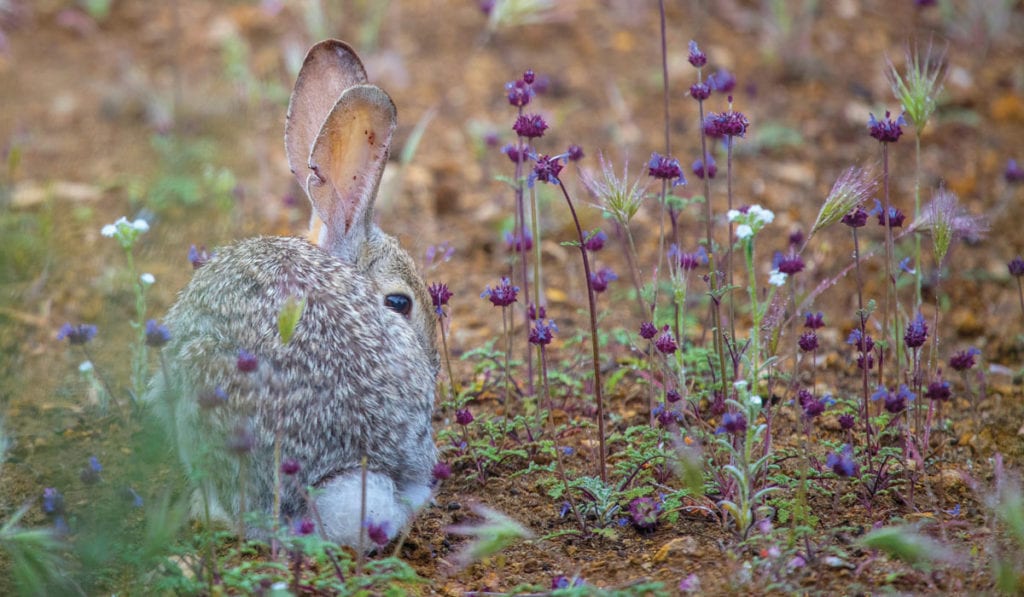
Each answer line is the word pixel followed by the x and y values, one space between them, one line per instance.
pixel 330 68
pixel 347 162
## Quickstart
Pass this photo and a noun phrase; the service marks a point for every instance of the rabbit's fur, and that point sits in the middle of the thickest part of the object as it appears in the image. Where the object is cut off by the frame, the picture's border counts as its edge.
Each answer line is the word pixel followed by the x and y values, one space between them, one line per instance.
pixel 356 380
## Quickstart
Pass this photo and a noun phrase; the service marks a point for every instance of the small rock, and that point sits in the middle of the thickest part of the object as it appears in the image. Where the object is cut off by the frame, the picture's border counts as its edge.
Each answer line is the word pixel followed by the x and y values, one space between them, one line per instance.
pixel 680 546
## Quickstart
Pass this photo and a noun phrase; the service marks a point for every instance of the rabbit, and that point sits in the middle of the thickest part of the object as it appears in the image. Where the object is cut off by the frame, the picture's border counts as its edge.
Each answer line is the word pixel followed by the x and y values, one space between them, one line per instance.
pixel 356 380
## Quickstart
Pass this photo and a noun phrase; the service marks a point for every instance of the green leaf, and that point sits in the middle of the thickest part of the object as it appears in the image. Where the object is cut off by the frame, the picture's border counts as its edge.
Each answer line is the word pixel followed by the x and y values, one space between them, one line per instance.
pixel 289 316
pixel 906 544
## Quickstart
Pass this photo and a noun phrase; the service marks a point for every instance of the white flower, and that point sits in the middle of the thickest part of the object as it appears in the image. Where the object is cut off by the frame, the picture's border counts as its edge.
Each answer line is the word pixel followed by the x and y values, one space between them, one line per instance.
pixel 733 214
pixel 744 231
pixel 755 400
pixel 140 225
pixel 109 230
pixel 777 278
pixel 147 279
pixel 740 385
pixel 85 367
pixel 766 216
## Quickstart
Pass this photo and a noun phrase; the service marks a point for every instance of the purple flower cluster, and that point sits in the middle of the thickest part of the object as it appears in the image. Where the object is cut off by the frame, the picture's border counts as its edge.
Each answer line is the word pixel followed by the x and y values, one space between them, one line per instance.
pixel 887 130
pixel 665 168
pixel 917 332
pixel 666 342
pixel 542 332
pixel 725 124
pixel 502 295
pixel 76 335
pixel 439 296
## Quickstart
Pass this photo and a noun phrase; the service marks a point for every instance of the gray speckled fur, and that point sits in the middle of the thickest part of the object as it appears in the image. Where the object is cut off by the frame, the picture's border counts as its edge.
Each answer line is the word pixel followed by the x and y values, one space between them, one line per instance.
pixel 356 379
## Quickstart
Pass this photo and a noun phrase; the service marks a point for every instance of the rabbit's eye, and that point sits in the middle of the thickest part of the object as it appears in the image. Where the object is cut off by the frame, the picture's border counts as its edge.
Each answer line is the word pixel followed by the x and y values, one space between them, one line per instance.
pixel 399 303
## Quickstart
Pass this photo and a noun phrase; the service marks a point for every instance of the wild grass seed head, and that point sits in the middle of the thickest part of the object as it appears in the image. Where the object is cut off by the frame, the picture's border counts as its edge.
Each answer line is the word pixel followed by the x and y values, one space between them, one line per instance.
pixel 918 88
pixel 616 197
pixel 849 192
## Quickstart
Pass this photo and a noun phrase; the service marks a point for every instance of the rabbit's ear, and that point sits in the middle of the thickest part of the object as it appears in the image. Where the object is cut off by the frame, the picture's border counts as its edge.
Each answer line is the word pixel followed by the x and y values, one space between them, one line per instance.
pixel 347 162
pixel 330 68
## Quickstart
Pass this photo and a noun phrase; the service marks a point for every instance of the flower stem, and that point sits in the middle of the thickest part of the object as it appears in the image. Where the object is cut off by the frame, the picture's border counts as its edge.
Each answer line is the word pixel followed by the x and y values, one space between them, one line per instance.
pixel 593 338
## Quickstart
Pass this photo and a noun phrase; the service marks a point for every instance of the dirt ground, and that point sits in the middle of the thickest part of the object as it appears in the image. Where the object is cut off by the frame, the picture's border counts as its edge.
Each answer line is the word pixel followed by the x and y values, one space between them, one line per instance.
pixel 82 98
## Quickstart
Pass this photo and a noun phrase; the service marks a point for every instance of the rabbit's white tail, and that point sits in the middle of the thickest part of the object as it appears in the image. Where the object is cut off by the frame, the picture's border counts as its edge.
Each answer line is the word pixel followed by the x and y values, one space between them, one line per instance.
pixel 340 501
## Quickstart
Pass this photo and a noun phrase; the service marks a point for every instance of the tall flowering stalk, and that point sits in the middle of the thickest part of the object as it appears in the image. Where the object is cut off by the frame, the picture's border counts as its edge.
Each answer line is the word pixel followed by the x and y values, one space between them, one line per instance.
pixel 748 224
pixel 701 91
pixel 546 169
pixel 888 131
pixel 439 296
pixel 503 295
pixel 126 234
pixel 917 90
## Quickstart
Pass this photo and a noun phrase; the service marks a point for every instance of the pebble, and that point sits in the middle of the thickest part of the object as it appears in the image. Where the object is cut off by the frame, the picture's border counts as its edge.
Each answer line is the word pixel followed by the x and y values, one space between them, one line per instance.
pixel 680 546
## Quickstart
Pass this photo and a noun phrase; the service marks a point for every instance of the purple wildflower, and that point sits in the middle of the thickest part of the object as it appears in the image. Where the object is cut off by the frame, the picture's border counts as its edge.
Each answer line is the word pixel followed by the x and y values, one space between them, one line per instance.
pixel 842 464
pixel 441 471
pixel 530 126
pixel 515 244
pixel 547 168
pixel 574 153
pixel 290 466
pixel 699 171
pixel 691 261
pixel 246 362
pixel 666 343
pixel 856 218
pixel 700 91
pixel 725 124
pixel 156 334
pixel 847 421
pixel 722 81
pixel 917 332
pixel 542 333
pixel 53 502
pixel 886 130
pixel 76 335
pixel 303 527
pixel 811 406
pixel 519 93
pixel 733 423
pixel 938 390
pixel 672 396
pixel 463 416
pixel 1014 174
pixel 862 342
pixel 647 330
pixel 439 296
pixel 808 341
pixel 791 264
pixel 599 280
pixel 378 532
pixel 1016 267
pixel 198 256
pixel 963 360
pixel 814 321
pixel 666 168
pixel 696 57
pixel 533 312
pixel 643 513
pixel 503 295
pixel 594 241
pixel 517 153
pixel 896 216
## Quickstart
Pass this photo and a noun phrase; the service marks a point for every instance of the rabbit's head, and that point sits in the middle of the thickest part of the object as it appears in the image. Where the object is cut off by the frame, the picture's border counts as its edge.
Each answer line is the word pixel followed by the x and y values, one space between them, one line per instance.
pixel 338 137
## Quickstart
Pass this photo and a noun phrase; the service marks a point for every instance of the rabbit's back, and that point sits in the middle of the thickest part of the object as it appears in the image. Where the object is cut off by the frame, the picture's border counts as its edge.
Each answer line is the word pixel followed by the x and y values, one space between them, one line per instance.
pixel 353 380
